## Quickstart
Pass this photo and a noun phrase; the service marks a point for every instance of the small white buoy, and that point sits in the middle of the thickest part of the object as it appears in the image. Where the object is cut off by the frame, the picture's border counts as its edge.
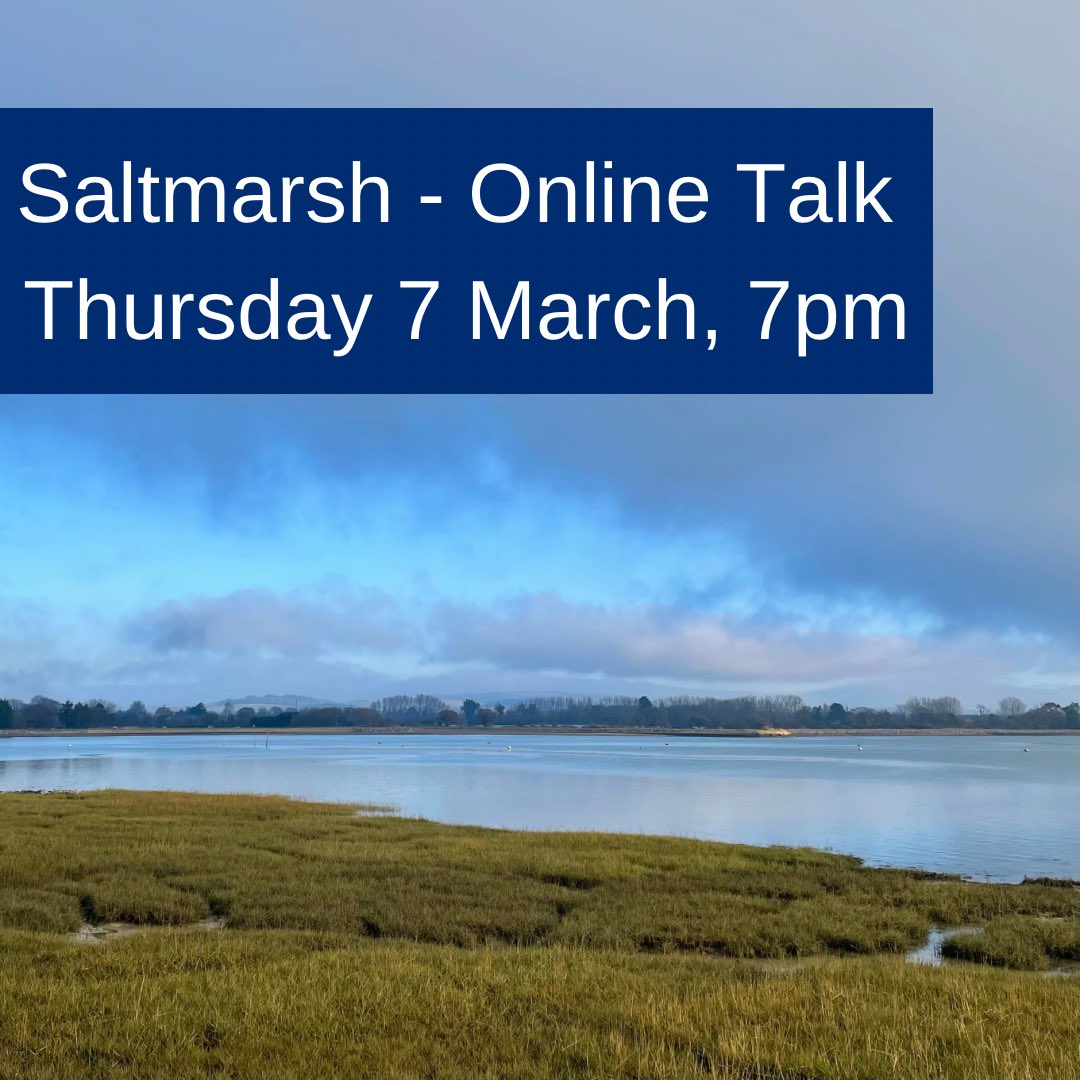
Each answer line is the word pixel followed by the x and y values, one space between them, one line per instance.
pixel 509 748
pixel 860 746
pixel 1026 750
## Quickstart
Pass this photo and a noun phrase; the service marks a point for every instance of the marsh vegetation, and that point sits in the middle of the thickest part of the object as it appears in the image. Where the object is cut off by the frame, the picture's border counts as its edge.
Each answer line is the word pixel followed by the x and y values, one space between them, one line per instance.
pixel 359 944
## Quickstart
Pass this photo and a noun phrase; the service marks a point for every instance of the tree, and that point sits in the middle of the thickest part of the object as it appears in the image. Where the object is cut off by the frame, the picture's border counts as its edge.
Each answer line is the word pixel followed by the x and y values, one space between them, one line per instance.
pixel 398 708
pixel 1011 707
pixel 42 712
pixel 932 711
pixel 449 718
pixel 469 709
pixel 7 714
pixel 364 717
pixel 644 703
pixel 837 713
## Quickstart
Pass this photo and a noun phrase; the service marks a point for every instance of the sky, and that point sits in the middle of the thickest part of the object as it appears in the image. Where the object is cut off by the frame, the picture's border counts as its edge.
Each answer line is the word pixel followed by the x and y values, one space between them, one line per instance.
pixel 860 549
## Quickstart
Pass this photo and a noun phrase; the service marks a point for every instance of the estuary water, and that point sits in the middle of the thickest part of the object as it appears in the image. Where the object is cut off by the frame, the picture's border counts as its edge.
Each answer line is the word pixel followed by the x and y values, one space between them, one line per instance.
pixel 988 807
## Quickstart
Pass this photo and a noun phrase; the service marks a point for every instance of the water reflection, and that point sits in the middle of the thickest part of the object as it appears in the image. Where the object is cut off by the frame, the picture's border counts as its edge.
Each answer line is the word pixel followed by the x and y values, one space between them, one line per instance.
pixel 930 952
pixel 977 806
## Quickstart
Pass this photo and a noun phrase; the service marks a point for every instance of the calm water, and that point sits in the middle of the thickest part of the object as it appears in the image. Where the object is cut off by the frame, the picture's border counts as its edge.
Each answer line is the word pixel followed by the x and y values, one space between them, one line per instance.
pixel 973 805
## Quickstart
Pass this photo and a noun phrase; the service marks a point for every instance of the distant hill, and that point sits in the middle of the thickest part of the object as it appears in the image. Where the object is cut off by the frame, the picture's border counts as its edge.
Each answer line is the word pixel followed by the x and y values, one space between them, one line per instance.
pixel 515 697
pixel 282 701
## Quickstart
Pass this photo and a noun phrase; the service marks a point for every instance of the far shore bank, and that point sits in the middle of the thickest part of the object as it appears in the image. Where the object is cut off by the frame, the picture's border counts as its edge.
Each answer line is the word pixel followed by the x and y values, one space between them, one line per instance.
pixel 715 733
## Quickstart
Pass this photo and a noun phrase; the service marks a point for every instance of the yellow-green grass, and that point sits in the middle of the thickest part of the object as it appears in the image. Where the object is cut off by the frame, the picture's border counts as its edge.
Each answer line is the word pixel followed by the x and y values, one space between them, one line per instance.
pixel 275 863
pixel 361 945
pixel 301 1004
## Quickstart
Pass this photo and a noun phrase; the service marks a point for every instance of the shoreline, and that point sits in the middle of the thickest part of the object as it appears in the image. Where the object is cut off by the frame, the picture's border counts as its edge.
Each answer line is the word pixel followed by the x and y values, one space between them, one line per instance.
pixel 393 813
pixel 714 733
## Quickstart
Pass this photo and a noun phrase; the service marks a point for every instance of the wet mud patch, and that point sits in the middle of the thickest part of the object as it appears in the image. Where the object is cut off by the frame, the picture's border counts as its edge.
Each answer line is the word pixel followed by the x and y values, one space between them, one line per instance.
pixel 98 934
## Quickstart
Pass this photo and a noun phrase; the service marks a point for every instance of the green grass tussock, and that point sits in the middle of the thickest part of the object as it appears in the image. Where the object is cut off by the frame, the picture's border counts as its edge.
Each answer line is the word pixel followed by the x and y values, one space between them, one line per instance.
pixel 1033 944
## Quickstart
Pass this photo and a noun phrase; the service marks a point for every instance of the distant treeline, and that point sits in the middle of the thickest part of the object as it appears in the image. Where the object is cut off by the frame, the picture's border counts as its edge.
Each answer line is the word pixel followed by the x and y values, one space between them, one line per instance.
pixel 783 711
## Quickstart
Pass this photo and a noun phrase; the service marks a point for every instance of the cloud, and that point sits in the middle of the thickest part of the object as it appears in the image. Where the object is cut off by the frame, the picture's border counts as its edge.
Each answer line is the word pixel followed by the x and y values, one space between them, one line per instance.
pixel 545 633
pixel 972 519
pixel 326 620
pixel 337 641
pixel 181 679
pixel 964 507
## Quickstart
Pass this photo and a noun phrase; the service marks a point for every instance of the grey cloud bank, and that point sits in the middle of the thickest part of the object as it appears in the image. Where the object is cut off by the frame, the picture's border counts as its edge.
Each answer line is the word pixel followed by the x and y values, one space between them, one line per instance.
pixel 976 524
pixel 328 640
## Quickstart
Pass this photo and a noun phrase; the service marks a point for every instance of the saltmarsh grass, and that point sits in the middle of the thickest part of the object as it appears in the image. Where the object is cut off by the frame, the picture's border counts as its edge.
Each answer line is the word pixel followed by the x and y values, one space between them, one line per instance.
pixel 275 863
pixel 377 946
pixel 181 1004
